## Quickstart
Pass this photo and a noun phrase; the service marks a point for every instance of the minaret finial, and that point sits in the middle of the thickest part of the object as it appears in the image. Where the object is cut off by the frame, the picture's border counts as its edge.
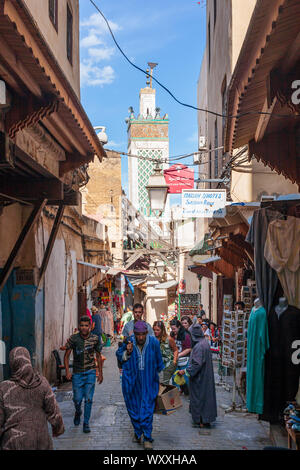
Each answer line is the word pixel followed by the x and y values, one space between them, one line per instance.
pixel 152 66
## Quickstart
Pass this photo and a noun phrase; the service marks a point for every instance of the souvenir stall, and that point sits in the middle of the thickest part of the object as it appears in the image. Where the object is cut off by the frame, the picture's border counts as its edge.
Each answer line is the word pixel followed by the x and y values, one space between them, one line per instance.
pixel 189 304
pixel 273 366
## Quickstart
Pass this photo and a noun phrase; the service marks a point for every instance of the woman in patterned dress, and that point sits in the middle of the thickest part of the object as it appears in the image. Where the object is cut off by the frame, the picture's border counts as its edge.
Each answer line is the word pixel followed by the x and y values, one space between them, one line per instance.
pixel 169 351
pixel 27 402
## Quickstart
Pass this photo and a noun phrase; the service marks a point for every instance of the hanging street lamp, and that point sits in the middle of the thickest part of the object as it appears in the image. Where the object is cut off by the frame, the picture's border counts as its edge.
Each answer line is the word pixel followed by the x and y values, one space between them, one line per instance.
pixel 157 190
pixel 160 268
pixel 152 267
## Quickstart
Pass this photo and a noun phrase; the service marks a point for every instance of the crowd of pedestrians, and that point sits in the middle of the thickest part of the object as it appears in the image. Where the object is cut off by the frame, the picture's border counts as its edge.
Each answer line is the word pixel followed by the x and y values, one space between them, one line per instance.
pixel 179 353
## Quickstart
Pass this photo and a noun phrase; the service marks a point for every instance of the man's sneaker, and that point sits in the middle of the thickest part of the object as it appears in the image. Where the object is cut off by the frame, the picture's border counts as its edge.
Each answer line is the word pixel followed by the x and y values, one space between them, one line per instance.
pixel 86 428
pixel 77 418
pixel 137 439
pixel 148 445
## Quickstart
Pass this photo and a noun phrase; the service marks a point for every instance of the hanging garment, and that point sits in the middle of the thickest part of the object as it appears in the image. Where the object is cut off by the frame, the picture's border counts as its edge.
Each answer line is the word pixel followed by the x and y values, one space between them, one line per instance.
pixel 281 374
pixel 282 251
pixel 140 383
pixel 266 277
pixel 201 379
pixel 258 343
pixel 107 321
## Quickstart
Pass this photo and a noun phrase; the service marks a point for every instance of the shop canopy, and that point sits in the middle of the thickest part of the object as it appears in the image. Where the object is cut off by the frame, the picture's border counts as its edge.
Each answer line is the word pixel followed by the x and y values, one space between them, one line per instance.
pixel 201 271
pixel 86 271
pixel 167 285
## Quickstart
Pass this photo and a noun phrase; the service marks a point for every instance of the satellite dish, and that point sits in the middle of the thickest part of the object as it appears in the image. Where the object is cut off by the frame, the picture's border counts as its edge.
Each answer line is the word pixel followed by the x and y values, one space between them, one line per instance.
pixel 102 136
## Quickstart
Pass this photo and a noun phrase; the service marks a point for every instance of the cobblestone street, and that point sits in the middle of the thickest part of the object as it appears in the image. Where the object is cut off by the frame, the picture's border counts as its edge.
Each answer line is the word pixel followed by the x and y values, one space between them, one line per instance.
pixel 111 427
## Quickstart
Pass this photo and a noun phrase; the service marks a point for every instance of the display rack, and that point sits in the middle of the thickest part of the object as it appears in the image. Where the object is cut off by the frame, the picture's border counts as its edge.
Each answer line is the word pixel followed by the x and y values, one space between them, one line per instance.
pixel 234 346
pixel 248 295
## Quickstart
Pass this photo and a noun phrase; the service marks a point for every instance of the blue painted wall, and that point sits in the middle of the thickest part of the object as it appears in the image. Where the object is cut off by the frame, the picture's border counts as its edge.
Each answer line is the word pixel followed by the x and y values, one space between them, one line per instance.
pixel 22 313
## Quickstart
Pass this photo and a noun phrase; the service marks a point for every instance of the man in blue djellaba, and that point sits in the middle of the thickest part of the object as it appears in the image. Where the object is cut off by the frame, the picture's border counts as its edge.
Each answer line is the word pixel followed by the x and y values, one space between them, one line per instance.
pixel 141 361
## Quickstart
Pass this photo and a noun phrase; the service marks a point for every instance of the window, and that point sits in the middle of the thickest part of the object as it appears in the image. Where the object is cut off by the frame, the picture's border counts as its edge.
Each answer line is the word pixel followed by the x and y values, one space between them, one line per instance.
pixel 215 12
pixel 113 244
pixel 53 13
pixel 224 105
pixel 216 151
pixel 208 33
pixel 69 34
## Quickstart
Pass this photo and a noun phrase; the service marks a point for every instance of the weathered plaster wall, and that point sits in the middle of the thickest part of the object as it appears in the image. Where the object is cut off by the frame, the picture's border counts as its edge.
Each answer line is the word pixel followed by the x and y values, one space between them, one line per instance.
pixel 60 287
pixel 102 201
pixel 260 180
pixel 192 282
pixel 12 221
pixel 56 40
pixel 156 301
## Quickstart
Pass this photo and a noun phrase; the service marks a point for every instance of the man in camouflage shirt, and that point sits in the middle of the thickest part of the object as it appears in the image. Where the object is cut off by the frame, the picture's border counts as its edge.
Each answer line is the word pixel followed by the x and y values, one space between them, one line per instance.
pixel 84 346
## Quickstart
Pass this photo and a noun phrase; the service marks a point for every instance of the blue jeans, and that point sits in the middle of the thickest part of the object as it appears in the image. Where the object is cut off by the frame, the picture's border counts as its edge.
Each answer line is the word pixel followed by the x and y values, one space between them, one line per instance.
pixel 83 387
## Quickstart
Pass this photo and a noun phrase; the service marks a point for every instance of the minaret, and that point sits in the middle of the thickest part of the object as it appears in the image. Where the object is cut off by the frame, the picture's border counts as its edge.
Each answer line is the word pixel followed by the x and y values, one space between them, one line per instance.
pixel 148 137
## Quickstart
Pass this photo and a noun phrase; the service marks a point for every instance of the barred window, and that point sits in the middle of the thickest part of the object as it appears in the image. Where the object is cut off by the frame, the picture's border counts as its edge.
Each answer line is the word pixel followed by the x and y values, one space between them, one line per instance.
pixel 69 34
pixel 53 14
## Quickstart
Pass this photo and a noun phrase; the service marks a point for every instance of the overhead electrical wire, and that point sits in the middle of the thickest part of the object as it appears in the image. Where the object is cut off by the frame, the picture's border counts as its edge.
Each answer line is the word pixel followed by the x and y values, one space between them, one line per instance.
pixel 170 160
pixel 265 113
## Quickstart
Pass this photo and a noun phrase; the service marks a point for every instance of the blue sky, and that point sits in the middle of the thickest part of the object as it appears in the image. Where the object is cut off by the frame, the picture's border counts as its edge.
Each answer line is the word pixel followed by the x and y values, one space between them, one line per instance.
pixel 170 32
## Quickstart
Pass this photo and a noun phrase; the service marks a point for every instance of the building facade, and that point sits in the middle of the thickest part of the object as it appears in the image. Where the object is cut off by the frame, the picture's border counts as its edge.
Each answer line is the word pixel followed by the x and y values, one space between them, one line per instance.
pixel 247 179
pixel 47 142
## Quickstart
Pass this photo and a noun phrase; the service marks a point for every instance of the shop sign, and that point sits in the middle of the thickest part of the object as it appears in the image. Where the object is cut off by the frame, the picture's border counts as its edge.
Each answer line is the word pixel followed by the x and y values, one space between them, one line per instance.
pixel 204 203
pixel 179 177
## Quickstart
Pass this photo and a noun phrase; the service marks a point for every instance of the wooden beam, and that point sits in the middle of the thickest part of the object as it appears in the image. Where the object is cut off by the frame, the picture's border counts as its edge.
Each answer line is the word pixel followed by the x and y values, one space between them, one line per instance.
pixel 4 275
pixel 73 162
pixel 71 199
pixel 65 131
pixel 264 120
pixel 50 244
pixel 9 57
pixel 31 189
pixel 134 258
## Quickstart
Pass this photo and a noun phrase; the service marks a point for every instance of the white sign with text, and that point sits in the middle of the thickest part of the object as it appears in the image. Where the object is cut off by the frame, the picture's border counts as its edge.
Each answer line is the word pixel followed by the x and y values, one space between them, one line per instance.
pixel 204 203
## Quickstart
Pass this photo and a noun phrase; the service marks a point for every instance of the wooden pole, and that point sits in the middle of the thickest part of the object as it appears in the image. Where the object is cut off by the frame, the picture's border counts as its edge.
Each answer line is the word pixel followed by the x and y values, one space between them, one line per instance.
pixel 50 244
pixel 35 214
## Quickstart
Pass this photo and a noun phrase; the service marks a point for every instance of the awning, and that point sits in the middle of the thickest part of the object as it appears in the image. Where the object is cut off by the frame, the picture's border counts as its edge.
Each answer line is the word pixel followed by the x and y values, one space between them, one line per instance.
pixel 212 259
pixel 86 271
pixel 201 247
pixel 114 271
pixel 166 285
pixel 135 280
pixel 201 271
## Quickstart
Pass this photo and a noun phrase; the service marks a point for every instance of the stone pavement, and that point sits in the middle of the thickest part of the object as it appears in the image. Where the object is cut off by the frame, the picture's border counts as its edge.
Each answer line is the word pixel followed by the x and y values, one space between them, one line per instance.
pixel 111 428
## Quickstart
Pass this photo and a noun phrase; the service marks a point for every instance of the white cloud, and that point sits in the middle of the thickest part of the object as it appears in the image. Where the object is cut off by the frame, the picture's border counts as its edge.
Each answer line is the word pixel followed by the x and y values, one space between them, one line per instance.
pixel 92 75
pixel 112 143
pixel 94 50
pixel 103 53
pixel 96 21
pixel 91 40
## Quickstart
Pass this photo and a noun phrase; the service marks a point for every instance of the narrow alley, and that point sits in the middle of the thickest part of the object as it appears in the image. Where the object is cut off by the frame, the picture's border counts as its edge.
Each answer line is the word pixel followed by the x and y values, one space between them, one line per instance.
pixel 111 428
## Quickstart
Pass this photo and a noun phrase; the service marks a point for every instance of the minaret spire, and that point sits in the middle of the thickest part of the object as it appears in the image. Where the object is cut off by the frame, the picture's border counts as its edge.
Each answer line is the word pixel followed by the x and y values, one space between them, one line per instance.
pixel 152 66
